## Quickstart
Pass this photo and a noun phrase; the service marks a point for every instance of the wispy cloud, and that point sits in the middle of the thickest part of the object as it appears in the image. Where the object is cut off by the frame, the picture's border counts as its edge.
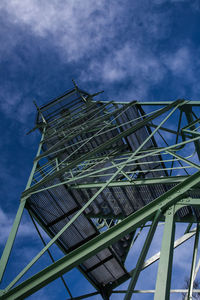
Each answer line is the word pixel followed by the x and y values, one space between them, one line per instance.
pixel 109 43
pixel 75 26
pixel 26 229
pixel 15 104
pixel 132 49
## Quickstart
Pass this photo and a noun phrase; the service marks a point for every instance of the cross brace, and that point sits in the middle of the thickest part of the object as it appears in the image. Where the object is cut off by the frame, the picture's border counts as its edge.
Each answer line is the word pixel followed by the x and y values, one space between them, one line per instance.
pixel 100 242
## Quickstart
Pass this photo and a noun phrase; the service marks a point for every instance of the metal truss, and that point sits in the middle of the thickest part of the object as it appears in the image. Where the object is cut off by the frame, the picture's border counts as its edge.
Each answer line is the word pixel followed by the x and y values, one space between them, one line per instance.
pixel 166 156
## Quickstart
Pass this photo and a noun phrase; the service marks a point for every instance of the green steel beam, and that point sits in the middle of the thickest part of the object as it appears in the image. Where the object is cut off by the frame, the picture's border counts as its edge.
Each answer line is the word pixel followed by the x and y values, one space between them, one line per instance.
pixel 137 182
pixel 7 250
pixel 50 255
pixel 39 112
pixel 60 143
pixel 60 246
pixel 192 132
pixel 67 225
pixel 166 129
pixel 142 256
pixel 100 242
pixel 153 291
pixel 58 99
pixel 188 201
pixel 106 144
pixel 131 241
pixel 177 243
pixel 177 137
pixel 96 122
pixel 196 270
pixel 33 189
pixel 155 103
pixel 165 265
pixel 182 144
pixel 35 163
pixel 188 227
pixel 134 171
pixel 157 127
pixel 64 265
pixel 191 124
pixel 64 122
pixel 153 259
pixel 192 164
pixel 194 257
pixel 188 112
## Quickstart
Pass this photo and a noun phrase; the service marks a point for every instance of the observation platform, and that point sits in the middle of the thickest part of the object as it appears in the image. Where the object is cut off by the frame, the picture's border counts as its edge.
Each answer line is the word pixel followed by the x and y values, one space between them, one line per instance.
pixel 105 151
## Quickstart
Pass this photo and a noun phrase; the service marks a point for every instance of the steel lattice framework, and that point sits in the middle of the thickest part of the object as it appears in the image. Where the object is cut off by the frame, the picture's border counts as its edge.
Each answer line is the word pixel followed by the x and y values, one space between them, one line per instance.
pixel 104 170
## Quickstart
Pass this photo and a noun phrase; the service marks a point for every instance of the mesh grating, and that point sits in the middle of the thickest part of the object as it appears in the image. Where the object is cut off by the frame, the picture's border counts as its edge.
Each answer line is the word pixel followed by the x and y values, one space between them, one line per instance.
pixel 77 135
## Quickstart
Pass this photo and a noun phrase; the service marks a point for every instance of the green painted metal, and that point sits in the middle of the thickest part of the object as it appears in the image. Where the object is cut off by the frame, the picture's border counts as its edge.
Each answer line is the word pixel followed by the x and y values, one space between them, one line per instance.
pixel 177 137
pixel 189 116
pixel 194 257
pixel 192 164
pixel 154 258
pixel 59 245
pixel 153 291
pixel 188 227
pixel 105 239
pixel 96 121
pixel 148 181
pixel 180 145
pixel 68 224
pixel 11 239
pixel 106 144
pixel 155 103
pixel 165 264
pixel 168 204
pixel 35 163
pixel 142 257
pixel 34 189
pixel 50 255
pixel 12 235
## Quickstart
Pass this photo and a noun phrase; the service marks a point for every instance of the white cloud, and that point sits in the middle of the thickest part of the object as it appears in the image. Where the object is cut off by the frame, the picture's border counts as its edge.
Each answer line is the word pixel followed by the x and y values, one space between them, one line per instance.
pixel 116 41
pixel 80 28
pixel 180 61
pixel 15 104
pixel 145 69
pixel 76 27
pixel 130 62
pixel 26 228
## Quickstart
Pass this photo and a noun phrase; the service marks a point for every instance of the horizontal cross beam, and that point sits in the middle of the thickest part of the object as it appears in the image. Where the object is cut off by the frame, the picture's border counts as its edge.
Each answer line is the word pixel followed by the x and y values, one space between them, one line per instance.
pixel 102 241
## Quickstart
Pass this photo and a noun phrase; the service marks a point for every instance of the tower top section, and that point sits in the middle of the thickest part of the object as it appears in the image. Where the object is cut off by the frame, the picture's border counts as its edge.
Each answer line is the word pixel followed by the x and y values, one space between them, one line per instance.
pixel 61 105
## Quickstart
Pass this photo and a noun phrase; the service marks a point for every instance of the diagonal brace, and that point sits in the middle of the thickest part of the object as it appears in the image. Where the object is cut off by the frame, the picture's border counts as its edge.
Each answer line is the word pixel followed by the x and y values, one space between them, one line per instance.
pixel 102 241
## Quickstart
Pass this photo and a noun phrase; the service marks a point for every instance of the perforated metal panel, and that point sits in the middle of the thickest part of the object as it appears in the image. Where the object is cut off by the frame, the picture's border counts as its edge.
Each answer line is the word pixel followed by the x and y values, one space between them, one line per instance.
pixel 79 127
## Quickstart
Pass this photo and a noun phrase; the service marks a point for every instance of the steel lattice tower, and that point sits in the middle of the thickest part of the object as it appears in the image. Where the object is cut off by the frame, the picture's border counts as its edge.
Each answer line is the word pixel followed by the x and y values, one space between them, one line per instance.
pixel 104 170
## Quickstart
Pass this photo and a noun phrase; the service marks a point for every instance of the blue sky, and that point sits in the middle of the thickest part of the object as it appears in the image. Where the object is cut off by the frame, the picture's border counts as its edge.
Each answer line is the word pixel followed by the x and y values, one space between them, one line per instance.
pixel 144 50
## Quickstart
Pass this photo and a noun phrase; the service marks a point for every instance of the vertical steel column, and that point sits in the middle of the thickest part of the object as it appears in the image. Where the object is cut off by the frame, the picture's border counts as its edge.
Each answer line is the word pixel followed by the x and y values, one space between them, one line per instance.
pixel 9 244
pixel 36 162
pixel 11 239
pixel 166 257
pixel 188 112
pixel 192 272
pixel 142 257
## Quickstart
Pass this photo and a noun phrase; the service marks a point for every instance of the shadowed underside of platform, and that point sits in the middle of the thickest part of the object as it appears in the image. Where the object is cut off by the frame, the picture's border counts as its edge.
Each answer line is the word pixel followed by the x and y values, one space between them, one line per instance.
pixel 85 143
